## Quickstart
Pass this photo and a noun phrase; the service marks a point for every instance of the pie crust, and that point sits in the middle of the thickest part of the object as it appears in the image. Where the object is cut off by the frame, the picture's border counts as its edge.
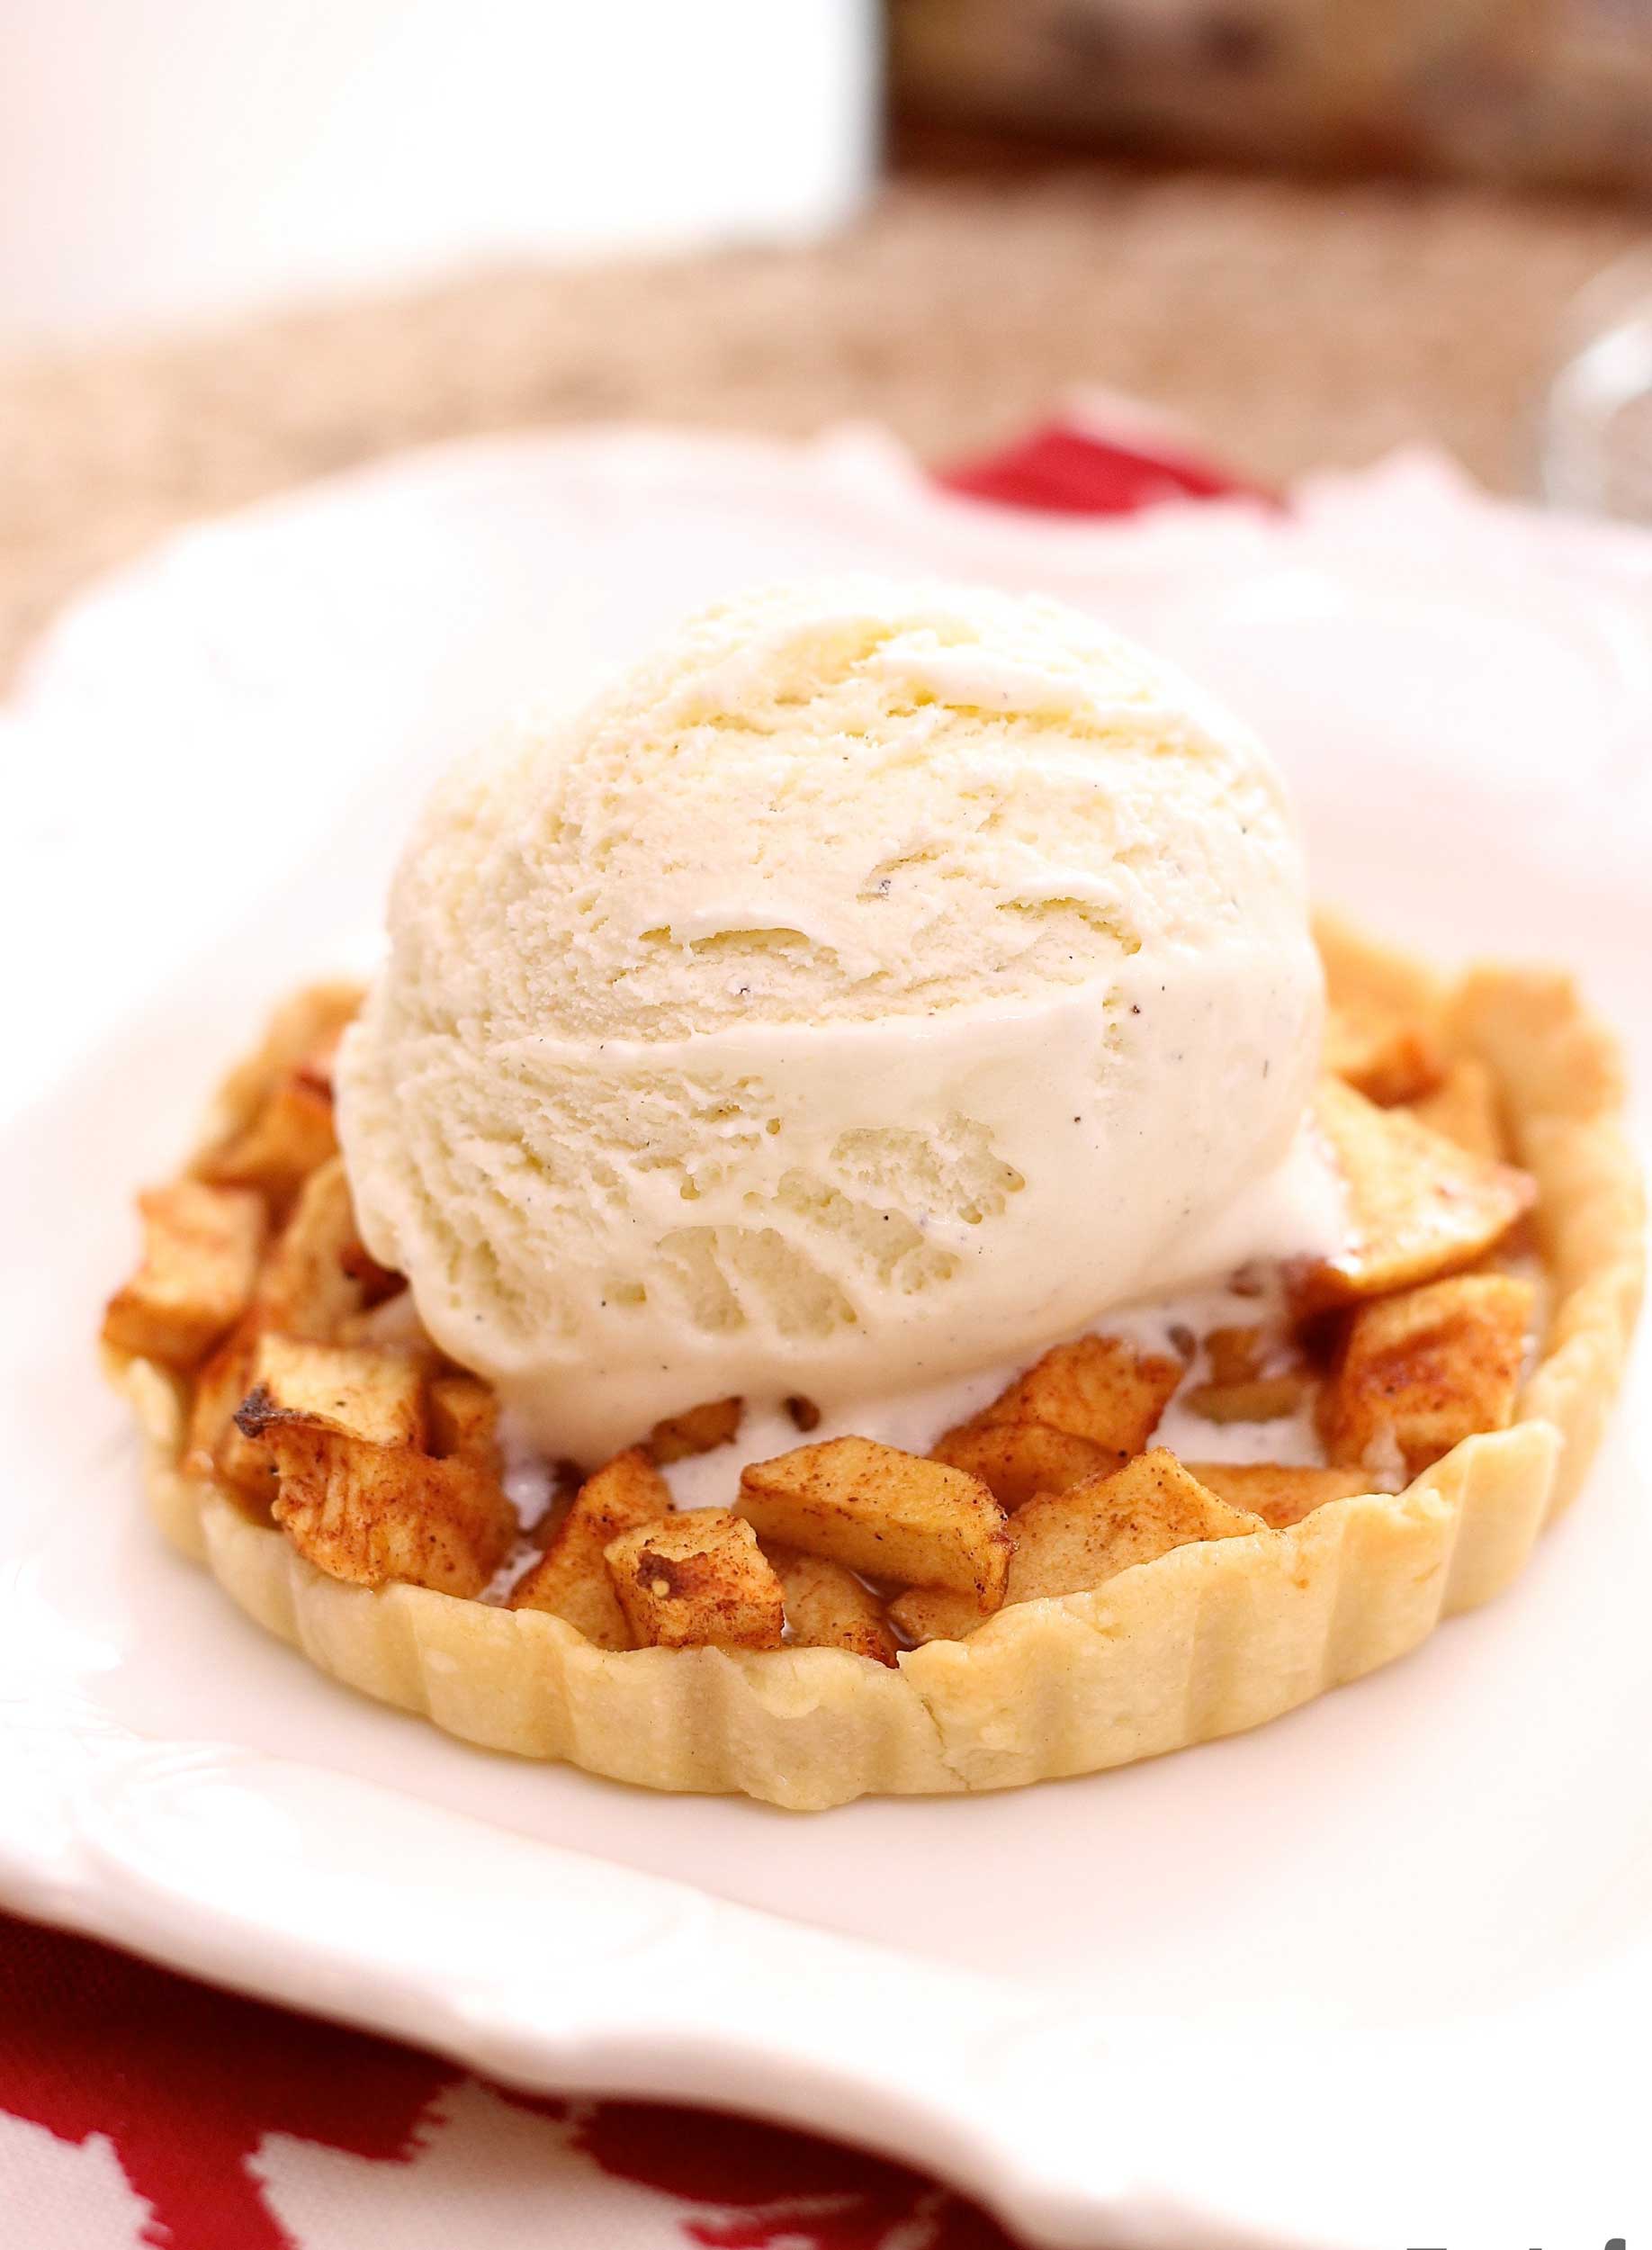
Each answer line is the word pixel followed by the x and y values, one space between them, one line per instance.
pixel 1206 1640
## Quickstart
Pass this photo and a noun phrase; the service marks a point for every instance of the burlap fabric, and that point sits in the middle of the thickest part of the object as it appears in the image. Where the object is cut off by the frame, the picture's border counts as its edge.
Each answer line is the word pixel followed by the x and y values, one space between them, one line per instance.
pixel 1295 325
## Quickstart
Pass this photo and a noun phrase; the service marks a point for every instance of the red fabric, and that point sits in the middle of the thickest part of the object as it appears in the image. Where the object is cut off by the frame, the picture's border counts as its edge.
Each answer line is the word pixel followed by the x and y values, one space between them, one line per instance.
pixel 1065 471
pixel 192 2088
pixel 188 2083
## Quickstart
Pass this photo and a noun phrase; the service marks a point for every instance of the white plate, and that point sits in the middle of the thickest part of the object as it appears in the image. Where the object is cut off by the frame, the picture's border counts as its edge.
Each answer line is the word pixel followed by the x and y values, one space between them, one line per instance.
pixel 1372 1975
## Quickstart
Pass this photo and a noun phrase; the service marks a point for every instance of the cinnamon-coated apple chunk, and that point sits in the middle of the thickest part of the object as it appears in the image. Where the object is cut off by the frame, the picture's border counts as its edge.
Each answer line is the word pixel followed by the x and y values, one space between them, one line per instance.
pixel 1387 1055
pixel 1280 1493
pixel 1067 1543
pixel 1080 1411
pixel 892 1515
pixel 378 1397
pixel 697 1579
pixel 301 1035
pixel 215 1450
pixel 1417 1205
pixel 377 1513
pixel 373 1394
pixel 1420 1370
pixel 1101 1388
pixel 1257 1398
pixel 1467 1107
pixel 291 1136
pixel 1235 1354
pixel 1257 1375
pixel 277 1106
pixel 1246 1382
pixel 464 1419
pixel 354 1490
pixel 1015 1459
pixel 932 1613
pixel 201 1252
pixel 828 1608
pixel 319 1278
pixel 698 1430
pixel 571 1579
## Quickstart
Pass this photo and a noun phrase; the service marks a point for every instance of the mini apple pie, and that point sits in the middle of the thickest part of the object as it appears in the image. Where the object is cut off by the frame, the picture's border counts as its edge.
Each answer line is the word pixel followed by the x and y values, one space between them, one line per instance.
pixel 1160 1531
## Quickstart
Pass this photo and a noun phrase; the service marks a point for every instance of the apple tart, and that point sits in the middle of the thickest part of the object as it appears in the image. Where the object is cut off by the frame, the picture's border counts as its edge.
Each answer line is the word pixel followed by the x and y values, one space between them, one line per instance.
pixel 1054 1588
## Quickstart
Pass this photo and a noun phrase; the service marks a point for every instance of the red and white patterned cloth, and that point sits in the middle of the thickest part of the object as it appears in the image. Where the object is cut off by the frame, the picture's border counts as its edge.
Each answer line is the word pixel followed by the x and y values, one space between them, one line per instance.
pixel 137 2108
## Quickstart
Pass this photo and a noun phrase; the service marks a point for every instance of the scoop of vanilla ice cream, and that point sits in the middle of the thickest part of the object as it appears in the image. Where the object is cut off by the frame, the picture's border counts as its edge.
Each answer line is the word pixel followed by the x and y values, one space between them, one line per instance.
pixel 877 982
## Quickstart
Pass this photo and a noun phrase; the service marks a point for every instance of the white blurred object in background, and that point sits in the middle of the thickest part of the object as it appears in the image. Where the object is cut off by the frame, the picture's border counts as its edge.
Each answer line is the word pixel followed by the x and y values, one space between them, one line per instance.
pixel 179 158
pixel 1595 434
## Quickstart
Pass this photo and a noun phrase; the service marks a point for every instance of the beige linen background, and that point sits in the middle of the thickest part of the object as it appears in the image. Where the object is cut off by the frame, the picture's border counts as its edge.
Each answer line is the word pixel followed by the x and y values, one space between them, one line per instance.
pixel 1295 325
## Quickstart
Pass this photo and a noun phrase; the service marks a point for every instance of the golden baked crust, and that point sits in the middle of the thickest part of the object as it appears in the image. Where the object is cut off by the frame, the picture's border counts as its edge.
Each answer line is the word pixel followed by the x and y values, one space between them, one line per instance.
pixel 1205 1640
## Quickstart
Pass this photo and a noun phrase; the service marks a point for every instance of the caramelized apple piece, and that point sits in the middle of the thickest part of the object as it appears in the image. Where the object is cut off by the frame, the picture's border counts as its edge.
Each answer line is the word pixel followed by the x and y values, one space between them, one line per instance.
pixel 1466 1108
pixel 890 1514
pixel 571 1579
pixel 201 1249
pixel 699 1431
pixel 1385 1055
pixel 1421 1371
pixel 1235 1355
pixel 1418 1206
pixel 1068 1542
pixel 1257 1398
pixel 375 1396
pixel 214 1449
pixel 319 1278
pixel 1279 1494
pixel 465 1421
pixel 318 1286
pixel 1080 1411
pixel 1016 1460
pixel 828 1608
pixel 697 1579
pixel 301 1040
pixel 375 1514
pixel 291 1136
pixel 353 1492
pixel 930 1613
pixel 1100 1388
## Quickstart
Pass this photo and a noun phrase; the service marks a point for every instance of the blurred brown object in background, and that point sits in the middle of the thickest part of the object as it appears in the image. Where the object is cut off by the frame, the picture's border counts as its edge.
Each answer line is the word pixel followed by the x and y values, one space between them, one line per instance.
pixel 1551 91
